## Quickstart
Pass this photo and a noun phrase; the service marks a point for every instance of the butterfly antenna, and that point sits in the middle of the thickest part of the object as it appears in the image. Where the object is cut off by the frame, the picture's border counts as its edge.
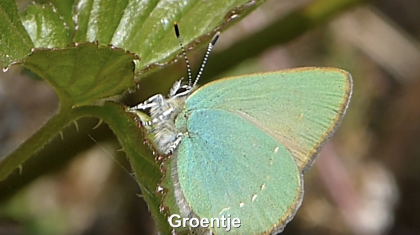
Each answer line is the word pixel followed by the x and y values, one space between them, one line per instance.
pixel 206 56
pixel 183 53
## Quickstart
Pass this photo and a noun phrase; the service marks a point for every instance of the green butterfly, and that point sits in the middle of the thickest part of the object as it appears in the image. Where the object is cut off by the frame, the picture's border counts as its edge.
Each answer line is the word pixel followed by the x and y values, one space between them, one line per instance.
pixel 239 146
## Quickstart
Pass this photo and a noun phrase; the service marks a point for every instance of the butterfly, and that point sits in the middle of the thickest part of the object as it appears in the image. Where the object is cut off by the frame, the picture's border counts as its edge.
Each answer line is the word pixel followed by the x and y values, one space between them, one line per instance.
pixel 239 146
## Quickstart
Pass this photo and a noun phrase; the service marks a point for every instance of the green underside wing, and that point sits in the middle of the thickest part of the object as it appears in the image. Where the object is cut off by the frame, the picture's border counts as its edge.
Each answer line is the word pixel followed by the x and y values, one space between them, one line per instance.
pixel 247 141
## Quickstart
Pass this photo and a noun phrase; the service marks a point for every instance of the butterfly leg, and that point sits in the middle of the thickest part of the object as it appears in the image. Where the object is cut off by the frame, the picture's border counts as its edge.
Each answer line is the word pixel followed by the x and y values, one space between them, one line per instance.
pixel 175 143
pixel 175 88
pixel 153 102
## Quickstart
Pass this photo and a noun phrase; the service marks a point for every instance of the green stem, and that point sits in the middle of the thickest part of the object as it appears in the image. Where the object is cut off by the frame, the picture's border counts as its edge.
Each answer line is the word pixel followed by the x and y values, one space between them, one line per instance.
pixel 145 167
pixel 124 126
pixel 46 160
pixel 53 127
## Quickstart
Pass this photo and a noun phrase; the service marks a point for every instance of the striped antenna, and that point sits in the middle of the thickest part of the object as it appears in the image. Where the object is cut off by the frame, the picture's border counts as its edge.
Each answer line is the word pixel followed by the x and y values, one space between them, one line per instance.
pixel 206 56
pixel 183 53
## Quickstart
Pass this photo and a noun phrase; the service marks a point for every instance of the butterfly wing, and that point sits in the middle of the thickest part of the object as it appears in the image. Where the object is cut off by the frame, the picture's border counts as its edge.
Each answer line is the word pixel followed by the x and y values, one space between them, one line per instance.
pixel 300 108
pixel 226 166
pixel 247 141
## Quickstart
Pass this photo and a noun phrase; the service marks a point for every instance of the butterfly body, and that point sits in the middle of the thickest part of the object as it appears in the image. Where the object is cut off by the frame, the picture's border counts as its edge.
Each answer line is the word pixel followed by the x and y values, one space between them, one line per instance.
pixel 163 112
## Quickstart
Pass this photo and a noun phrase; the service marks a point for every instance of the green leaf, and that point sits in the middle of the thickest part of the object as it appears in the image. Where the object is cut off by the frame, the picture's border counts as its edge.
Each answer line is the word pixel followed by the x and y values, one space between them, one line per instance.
pixel 83 73
pixel 45 26
pixel 14 40
pixel 146 27
pixel 64 9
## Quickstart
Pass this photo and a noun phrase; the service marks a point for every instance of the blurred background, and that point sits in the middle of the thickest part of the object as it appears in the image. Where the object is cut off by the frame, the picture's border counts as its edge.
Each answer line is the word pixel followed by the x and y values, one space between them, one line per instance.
pixel 366 180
